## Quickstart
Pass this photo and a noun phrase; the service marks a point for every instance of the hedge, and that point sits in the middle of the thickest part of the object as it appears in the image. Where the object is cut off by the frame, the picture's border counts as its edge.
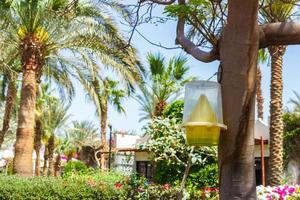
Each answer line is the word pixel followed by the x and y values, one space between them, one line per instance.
pixel 51 188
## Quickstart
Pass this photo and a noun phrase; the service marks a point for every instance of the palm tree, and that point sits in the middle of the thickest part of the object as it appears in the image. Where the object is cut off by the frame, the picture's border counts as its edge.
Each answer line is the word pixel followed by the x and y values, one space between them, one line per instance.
pixel 81 134
pixel 296 102
pixel 164 83
pixel 262 57
pixel 276 11
pixel 10 99
pixel 53 119
pixel 44 104
pixel 104 91
pixel 37 29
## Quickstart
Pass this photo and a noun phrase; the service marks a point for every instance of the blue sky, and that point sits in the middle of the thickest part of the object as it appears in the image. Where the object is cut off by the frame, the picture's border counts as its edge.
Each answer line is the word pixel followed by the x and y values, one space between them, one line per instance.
pixel 82 109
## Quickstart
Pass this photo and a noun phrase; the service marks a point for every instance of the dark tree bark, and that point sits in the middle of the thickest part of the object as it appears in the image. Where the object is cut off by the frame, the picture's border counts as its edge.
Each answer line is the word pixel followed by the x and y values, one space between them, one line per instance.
pixel 9 106
pixel 37 146
pixel 31 65
pixel 238 54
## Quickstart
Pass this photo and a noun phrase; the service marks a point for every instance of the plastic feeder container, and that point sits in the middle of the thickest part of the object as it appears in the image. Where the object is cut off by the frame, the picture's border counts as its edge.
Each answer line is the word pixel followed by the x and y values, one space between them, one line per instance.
pixel 202 116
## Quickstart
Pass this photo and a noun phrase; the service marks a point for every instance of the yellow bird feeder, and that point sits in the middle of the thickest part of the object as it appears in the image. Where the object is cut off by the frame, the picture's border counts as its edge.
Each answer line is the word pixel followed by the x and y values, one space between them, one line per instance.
pixel 202 116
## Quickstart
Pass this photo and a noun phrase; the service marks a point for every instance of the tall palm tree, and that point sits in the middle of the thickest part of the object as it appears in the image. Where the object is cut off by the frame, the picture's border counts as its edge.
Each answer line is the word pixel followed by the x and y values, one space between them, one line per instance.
pixel 37 29
pixel 104 92
pixel 164 83
pixel 276 11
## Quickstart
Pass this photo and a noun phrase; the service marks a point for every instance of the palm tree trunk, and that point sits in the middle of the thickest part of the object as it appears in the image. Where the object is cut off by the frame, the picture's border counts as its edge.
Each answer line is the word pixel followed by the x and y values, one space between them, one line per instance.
pixel 9 105
pixel 259 95
pixel 159 108
pixel 103 132
pixel 51 156
pixel 46 156
pixel 57 165
pixel 31 64
pixel 37 146
pixel 276 122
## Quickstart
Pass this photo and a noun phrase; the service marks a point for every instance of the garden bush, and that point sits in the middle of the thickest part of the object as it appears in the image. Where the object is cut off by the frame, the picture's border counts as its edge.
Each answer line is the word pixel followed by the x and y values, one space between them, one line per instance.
pixel 51 188
pixel 76 167
pixel 93 186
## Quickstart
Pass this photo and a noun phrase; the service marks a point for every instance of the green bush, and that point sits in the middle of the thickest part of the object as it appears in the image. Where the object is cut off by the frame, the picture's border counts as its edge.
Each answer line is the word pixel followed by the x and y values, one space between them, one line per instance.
pixel 200 176
pixel 50 188
pixel 75 167
pixel 93 186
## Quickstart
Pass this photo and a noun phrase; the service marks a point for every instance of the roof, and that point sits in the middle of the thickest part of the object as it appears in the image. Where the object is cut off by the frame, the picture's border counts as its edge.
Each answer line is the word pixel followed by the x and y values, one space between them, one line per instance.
pixel 261 129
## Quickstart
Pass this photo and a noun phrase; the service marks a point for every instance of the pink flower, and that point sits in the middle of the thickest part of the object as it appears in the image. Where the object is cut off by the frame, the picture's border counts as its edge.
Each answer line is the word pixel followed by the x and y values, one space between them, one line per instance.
pixel 63 158
pixel 166 186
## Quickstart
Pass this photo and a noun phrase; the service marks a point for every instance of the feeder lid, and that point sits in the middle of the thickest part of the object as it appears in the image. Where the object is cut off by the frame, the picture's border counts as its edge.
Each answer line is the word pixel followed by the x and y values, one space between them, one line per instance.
pixel 203 115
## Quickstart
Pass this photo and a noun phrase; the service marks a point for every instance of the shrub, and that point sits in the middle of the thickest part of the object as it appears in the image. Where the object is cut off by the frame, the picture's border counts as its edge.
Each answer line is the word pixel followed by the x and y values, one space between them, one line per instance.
pixel 93 186
pixel 140 189
pixel 50 188
pixel 76 167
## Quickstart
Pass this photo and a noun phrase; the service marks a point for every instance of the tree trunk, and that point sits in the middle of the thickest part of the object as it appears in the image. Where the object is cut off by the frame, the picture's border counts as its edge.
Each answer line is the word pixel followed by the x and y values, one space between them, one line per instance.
pixel 31 64
pixel 259 95
pixel 103 132
pixel 57 165
pixel 46 156
pixel 159 108
pixel 276 122
pixel 183 181
pixel 9 105
pixel 238 53
pixel 51 155
pixel 37 146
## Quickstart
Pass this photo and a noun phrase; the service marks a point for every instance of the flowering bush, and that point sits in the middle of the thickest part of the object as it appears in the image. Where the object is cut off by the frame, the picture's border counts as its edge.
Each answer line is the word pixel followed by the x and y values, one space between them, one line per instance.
pixel 284 192
pixel 139 188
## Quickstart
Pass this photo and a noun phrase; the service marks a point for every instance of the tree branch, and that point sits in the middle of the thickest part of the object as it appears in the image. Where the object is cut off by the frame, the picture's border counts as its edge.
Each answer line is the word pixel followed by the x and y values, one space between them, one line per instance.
pixel 161 2
pixel 188 45
pixel 282 33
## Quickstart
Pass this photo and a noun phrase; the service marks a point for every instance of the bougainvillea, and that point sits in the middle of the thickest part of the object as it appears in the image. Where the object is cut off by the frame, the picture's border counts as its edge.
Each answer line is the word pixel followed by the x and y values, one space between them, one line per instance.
pixel 277 192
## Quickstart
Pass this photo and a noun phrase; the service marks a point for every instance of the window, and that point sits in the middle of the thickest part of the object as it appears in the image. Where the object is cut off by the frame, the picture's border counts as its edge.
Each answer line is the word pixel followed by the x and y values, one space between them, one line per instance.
pixel 145 168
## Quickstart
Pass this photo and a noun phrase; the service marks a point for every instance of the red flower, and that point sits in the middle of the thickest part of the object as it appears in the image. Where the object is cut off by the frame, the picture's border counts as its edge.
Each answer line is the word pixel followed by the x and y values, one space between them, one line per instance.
pixel 118 185
pixel 166 186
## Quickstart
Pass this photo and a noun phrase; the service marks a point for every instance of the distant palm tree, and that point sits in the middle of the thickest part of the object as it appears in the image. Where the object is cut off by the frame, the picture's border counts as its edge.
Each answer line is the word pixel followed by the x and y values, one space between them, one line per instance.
pixel 43 31
pixel 276 11
pixel 296 102
pixel 164 83
pixel 44 110
pixel 104 92
pixel 262 57
pixel 81 134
